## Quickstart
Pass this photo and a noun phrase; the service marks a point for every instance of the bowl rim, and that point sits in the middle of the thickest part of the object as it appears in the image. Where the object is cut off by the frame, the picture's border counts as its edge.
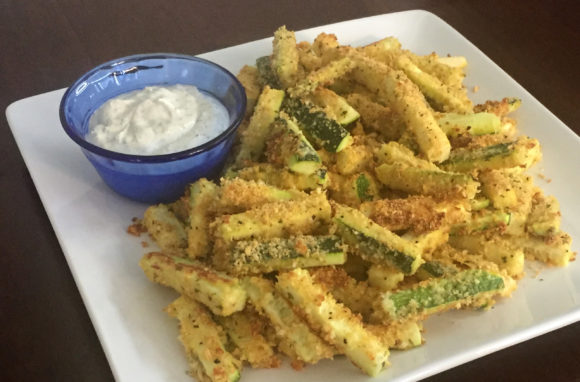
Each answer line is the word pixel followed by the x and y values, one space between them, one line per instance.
pixel 136 158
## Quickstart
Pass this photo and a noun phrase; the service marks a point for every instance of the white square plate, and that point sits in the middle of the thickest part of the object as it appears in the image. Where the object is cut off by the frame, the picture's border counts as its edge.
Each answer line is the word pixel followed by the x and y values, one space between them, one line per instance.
pixel 140 341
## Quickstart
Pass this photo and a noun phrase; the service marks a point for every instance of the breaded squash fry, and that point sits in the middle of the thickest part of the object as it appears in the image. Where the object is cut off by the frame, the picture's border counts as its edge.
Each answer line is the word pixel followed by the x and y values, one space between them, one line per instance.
pixel 221 293
pixel 553 250
pixel 202 338
pixel 471 287
pixel 442 96
pixel 253 139
pixel 428 182
pixel 167 231
pixel 324 76
pixel 326 47
pixel 358 296
pixel 283 178
pixel 238 195
pixel 335 322
pixel 245 330
pixel 285 57
pixel 386 50
pixel 397 90
pixel 376 117
pixel 545 216
pixel 500 108
pixel 523 153
pixel 250 80
pixel 270 220
pixel 202 201
pixel 400 335
pixel 300 343
pixel 500 250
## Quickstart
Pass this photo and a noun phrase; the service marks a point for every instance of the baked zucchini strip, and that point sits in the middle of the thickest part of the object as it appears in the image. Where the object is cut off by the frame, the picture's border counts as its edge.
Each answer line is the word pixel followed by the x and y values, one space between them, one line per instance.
pixel 399 335
pixel 283 178
pixel 253 139
pixel 202 340
pixel 238 195
pixel 554 250
pixel 250 79
pixel 435 269
pixel 375 243
pixel 302 344
pixel 266 74
pixel 498 250
pixel 396 153
pixel 450 73
pixel 436 295
pixel 483 123
pixel 483 220
pixel 544 219
pixel 394 88
pixel 498 186
pixel 385 50
pixel 289 147
pixel 326 75
pixel 166 229
pixel 244 329
pixel 444 97
pixel 334 106
pixel 427 182
pixel 202 200
pixel 273 220
pixel 374 116
pixel 285 57
pixel 358 296
pixel 317 126
pixel 221 293
pixel 500 108
pixel 453 61
pixel 304 251
pixel 521 153
pixel 335 322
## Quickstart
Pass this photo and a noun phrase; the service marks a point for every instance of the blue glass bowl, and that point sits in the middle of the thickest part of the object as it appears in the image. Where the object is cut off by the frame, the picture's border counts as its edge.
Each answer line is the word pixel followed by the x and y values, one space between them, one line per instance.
pixel 152 178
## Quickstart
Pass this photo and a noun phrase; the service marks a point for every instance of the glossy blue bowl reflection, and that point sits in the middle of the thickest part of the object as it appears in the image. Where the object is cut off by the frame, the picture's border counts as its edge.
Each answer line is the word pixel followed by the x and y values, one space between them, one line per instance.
pixel 152 178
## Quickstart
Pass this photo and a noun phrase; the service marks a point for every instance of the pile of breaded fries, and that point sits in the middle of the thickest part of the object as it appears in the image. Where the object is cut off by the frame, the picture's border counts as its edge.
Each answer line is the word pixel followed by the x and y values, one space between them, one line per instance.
pixel 365 193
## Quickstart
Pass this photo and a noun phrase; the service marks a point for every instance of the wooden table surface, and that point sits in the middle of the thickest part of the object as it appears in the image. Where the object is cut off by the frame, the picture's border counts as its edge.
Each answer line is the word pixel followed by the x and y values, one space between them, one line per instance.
pixel 45 45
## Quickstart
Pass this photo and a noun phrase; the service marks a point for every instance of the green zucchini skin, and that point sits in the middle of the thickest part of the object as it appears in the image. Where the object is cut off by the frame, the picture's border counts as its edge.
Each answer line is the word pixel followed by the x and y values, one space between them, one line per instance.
pixel 267 75
pixel 435 269
pixel 277 254
pixel 435 295
pixel 336 105
pixel 317 127
pixel 362 186
pixel 521 153
pixel 292 148
pixel 375 243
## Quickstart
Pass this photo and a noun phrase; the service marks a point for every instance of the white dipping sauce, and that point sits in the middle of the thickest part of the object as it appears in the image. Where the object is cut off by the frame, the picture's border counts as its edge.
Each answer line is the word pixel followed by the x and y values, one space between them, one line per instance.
pixel 157 120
